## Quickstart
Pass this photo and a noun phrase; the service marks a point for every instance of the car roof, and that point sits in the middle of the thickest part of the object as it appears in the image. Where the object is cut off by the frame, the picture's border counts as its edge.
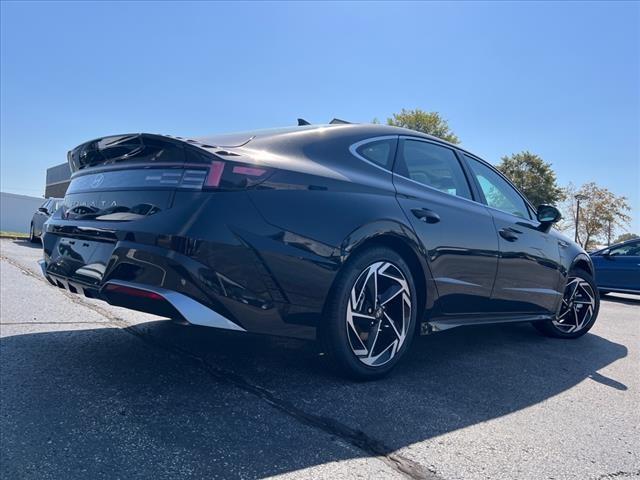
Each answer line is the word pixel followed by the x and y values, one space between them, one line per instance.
pixel 325 130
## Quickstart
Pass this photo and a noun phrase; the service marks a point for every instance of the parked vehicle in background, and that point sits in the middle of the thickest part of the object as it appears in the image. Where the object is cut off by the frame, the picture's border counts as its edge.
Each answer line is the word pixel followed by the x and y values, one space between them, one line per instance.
pixel 41 215
pixel 618 267
pixel 357 235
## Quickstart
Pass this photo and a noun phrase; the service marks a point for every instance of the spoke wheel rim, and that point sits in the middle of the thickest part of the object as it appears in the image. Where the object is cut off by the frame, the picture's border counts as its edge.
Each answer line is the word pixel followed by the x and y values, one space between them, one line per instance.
pixel 378 314
pixel 578 305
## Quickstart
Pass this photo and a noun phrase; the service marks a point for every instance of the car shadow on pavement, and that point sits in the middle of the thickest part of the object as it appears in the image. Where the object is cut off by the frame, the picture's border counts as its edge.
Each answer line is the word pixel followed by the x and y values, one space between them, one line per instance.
pixel 192 401
pixel 24 242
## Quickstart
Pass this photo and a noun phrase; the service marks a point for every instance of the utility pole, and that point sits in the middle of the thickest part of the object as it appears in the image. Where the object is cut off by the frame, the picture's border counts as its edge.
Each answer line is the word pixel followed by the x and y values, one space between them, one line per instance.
pixel 578 197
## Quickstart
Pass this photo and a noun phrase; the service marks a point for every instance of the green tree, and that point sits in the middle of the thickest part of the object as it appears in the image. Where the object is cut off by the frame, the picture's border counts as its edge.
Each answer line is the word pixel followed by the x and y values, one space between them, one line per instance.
pixel 601 212
pixel 430 123
pixel 625 236
pixel 533 176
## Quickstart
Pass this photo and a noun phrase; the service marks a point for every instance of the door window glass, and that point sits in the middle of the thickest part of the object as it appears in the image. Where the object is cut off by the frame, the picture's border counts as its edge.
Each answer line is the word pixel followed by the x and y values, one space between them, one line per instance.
pixel 630 249
pixel 434 166
pixel 498 193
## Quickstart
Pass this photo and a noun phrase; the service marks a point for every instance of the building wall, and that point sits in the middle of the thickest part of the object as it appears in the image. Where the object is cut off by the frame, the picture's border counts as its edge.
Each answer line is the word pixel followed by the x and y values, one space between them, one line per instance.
pixel 57 190
pixel 58 178
pixel 16 211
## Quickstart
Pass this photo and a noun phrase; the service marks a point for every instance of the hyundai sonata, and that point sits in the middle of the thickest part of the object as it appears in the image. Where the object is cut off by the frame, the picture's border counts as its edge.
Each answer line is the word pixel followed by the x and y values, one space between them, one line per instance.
pixel 360 236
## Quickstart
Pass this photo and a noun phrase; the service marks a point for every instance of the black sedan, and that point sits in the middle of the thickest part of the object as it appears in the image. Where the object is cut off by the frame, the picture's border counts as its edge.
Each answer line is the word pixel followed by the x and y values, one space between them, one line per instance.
pixel 618 267
pixel 40 216
pixel 360 236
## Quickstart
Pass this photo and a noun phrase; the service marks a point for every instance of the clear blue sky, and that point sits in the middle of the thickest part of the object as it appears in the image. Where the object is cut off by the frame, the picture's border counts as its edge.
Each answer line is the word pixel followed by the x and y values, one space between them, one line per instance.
pixel 559 79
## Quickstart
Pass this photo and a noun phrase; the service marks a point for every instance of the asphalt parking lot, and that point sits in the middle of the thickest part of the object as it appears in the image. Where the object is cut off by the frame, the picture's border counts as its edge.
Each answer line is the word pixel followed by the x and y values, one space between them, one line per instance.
pixel 93 391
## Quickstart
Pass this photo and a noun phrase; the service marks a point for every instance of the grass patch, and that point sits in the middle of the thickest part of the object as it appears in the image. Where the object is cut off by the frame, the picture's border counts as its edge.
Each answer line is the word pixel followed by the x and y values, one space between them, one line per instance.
pixel 4 234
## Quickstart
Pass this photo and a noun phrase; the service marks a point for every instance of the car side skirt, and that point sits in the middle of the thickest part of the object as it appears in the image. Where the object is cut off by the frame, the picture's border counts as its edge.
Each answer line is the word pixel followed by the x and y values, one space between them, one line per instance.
pixel 439 324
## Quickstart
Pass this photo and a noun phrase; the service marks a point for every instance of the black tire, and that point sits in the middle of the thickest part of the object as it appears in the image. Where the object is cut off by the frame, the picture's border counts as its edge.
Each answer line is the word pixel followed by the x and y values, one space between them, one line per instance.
pixel 337 335
pixel 551 328
pixel 32 237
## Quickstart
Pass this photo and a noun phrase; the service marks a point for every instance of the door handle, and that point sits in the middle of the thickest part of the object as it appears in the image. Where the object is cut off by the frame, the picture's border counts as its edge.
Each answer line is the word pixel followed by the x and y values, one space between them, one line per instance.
pixel 508 234
pixel 425 215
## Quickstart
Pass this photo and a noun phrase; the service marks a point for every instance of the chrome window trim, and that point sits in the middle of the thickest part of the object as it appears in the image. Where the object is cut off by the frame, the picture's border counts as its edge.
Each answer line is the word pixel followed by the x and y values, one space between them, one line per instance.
pixel 353 150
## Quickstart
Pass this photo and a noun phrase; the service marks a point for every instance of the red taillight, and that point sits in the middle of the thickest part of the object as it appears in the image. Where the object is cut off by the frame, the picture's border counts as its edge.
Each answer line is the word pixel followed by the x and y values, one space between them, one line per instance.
pixel 233 176
pixel 250 171
pixel 133 292
pixel 215 174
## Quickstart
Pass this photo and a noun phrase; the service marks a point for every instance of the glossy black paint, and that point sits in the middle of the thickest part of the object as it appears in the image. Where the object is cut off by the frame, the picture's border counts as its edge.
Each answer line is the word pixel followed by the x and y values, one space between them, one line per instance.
pixel 265 252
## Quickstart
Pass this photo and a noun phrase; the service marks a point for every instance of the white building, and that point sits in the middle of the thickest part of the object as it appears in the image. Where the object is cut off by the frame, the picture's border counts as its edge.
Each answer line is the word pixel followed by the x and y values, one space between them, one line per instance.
pixel 16 211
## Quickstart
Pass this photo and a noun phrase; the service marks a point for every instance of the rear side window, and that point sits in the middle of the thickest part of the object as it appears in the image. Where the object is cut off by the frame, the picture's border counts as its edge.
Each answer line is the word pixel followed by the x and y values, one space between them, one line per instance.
pixel 378 152
pixel 434 166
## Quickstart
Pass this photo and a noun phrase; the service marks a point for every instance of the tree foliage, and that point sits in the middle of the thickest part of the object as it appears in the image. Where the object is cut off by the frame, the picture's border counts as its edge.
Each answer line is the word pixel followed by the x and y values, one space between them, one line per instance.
pixel 430 123
pixel 601 211
pixel 533 176
pixel 624 237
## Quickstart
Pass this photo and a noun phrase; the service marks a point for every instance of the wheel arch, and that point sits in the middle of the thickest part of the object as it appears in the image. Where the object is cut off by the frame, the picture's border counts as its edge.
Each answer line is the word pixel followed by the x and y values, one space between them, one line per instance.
pixel 583 262
pixel 401 239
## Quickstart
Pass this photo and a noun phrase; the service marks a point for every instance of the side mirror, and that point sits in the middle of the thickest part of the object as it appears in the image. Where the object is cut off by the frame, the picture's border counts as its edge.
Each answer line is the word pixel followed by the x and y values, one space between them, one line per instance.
pixel 548 215
pixel 606 253
pixel 42 209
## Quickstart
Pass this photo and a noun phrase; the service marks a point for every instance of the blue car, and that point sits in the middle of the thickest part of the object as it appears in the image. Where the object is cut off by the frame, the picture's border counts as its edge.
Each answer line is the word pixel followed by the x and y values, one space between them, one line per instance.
pixel 617 267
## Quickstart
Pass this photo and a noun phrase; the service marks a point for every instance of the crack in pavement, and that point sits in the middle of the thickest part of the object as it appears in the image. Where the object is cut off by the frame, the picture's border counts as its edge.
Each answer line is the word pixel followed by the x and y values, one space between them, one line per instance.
pixel 354 437
pixel 619 474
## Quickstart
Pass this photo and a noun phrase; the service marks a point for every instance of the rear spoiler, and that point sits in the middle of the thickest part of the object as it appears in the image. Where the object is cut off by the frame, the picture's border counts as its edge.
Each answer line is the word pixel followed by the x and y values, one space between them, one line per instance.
pixel 139 147
pixel 335 121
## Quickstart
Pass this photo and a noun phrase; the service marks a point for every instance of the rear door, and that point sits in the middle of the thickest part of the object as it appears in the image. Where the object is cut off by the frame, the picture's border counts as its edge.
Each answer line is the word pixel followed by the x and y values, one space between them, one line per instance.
pixel 529 270
pixel 457 233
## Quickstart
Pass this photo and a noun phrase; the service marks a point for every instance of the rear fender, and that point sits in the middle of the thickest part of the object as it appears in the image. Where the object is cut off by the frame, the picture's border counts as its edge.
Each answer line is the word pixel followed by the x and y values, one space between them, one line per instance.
pixel 399 237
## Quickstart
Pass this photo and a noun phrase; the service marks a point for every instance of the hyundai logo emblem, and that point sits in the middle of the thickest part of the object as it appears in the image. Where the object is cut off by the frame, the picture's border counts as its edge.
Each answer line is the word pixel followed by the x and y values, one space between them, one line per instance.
pixel 97 181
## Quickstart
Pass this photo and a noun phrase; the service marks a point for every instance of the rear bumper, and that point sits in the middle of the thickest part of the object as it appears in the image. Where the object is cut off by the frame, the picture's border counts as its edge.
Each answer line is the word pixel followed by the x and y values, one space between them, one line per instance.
pixel 224 290
pixel 163 301
pixel 212 249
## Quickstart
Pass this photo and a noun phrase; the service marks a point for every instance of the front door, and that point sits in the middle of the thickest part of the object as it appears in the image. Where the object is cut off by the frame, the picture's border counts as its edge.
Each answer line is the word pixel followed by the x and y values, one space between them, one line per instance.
pixel 529 269
pixel 456 232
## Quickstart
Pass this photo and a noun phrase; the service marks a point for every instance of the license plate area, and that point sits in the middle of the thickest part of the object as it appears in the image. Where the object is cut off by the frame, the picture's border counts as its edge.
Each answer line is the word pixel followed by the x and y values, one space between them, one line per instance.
pixel 80 260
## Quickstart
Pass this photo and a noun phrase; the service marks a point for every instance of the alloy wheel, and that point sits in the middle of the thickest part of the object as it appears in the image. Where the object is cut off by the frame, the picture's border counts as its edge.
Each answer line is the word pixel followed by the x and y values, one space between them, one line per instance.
pixel 378 314
pixel 578 306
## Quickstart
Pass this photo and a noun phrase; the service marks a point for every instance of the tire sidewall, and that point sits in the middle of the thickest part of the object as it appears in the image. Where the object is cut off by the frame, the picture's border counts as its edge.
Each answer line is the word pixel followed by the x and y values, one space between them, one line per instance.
pixel 589 279
pixel 335 331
